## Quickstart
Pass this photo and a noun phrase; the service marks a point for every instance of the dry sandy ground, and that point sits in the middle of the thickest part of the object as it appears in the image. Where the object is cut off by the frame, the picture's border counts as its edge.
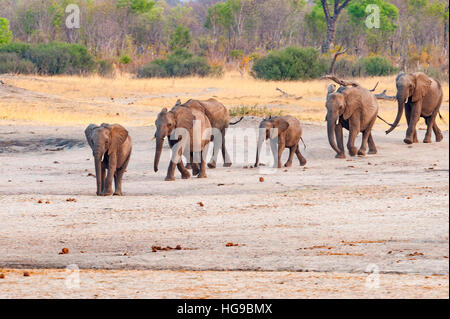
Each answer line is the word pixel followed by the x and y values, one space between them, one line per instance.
pixel 316 231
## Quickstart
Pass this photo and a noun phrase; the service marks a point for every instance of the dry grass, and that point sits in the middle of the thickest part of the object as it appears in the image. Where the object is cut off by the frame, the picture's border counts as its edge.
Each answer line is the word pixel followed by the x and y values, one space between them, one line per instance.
pixel 81 100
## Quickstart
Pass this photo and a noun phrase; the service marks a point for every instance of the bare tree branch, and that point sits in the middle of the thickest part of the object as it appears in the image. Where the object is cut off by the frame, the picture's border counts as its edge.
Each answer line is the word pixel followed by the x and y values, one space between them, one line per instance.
pixel 383 96
pixel 339 81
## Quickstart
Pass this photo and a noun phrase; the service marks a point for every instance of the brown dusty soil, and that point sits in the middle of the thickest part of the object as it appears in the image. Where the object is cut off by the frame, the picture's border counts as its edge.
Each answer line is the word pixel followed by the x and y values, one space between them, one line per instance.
pixel 314 231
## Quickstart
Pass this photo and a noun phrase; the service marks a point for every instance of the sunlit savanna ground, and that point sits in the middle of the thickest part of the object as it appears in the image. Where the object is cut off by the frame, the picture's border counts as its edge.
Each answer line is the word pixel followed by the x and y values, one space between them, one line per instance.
pixel 130 101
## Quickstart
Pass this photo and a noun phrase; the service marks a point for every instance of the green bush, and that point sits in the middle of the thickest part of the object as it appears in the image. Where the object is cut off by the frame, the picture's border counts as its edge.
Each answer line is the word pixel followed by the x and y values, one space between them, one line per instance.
pixel 292 63
pixel 19 48
pixel 59 58
pixel 10 62
pixel 105 68
pixel 180 63
pixel 376 66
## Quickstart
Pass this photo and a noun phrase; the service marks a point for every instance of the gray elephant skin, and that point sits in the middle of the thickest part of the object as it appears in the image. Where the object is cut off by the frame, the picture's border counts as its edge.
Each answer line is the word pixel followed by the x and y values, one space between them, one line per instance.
pixel 219 118
pixel 283 132
pixel 355 109
pixel 420 96
pixel 111 146
pixel 180 117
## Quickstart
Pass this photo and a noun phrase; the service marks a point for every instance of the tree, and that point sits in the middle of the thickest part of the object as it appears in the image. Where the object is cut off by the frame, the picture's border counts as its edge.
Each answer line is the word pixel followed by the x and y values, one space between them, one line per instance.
pixel 5 33
pixel 331 20
pixel 180 38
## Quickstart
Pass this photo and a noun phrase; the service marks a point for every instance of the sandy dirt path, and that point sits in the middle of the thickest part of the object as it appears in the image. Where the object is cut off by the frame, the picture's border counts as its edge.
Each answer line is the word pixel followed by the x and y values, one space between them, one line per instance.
pixel 333 219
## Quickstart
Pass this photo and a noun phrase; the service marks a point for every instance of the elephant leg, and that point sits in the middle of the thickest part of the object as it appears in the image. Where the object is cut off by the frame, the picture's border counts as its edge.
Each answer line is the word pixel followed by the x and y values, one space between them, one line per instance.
pixel 372 147
pixel 119 176
pixel 281 147
pixel 226 157
pixel 274 148
pixel 353 133
pixel 108 191
pixel 429 122
pixel 170 172
pixel 300 156
pixel 340 140
pixel 437 132
pixel 411 133
pixel 203 154
pixel 213 163
pixel 362 149
pixel 292 151
pixel 408 119
pixel 184 172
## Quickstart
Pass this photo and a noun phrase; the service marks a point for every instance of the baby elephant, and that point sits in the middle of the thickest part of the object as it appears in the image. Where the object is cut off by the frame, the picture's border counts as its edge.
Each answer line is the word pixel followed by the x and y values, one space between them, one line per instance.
pixel 287 131
pixel 111 147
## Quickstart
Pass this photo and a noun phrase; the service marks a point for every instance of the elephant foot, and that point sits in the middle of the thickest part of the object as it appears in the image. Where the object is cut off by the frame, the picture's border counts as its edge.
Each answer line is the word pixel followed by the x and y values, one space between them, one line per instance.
pixel 340 155
pixel 427 140
pixel 288 164
pixel 227 164
pixel 212 165
pixel 118 193
pixel 439 138
pixel 186 175
pixel 202 175
pixel 372 152
pixel 169 179
pixel 353 151
pixel 105 194
pixel 302 162
pixel 361 153
pixel 407 141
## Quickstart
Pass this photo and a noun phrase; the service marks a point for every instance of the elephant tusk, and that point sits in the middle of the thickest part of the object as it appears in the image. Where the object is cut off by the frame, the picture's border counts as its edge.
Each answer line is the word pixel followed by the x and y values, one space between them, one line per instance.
pixel 154 138
pixel 337 122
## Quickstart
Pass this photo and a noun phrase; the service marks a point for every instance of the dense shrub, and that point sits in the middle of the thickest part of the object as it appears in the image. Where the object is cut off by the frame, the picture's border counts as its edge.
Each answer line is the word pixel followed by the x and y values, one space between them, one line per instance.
pixel 375 66
pixel 292 63
pixel 350 66
pixel 180 63
pixel 54 58
pixel 10 62
pixel 105 68
pixel 59 58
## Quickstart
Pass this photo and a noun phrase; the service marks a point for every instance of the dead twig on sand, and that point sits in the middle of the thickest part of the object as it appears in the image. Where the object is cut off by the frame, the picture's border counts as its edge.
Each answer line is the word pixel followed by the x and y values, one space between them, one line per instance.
pixel 284 94
pixel 383 96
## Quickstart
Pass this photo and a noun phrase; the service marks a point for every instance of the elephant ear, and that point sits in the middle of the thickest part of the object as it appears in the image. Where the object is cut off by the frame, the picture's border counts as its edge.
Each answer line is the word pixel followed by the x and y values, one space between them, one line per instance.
pixel 281 125
pixel 88 132
pixel 352 103
pixel 423 84
pixel 118 136
pixel 184 117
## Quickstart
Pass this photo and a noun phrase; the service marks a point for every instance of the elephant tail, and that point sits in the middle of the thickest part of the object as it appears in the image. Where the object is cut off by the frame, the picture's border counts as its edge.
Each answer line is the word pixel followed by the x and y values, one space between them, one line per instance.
pixel 384 120
pixel 303 142
pixel 442 118
pixel 234 123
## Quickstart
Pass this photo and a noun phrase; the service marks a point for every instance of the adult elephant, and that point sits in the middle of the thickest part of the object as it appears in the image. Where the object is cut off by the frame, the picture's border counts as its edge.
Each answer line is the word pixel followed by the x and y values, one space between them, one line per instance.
pixel 219 118
pixel 178 125
pixel 111 146
pixel 354 108
pixel 420 96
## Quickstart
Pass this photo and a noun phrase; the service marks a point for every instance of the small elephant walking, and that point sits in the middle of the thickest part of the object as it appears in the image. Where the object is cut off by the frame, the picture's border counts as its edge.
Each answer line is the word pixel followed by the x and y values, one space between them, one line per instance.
pixel 219 118
pixel 111 146
pixel 190 139
pixel 420 96
pixel 354 108
pixel 283 132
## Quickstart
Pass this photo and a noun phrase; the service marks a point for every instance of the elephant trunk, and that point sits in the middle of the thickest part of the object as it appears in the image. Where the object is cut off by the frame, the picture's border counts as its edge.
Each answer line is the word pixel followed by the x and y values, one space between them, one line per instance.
pixel 98 172
pixel 159 146
pixel 259 147
pixel 401 105
pixel 331 126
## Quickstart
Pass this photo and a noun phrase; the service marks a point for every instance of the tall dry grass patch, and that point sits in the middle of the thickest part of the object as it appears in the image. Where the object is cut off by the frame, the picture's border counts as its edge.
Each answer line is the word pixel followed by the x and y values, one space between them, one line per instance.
pixel 131 101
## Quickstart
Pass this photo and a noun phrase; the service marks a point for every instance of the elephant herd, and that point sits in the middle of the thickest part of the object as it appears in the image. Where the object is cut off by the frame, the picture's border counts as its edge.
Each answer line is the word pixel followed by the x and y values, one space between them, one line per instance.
pixel 194 125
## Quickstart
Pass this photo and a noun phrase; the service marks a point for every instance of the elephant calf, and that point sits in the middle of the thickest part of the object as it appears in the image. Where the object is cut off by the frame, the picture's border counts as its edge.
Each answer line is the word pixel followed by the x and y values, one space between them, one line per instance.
pixel 111 146
pixel 283 132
